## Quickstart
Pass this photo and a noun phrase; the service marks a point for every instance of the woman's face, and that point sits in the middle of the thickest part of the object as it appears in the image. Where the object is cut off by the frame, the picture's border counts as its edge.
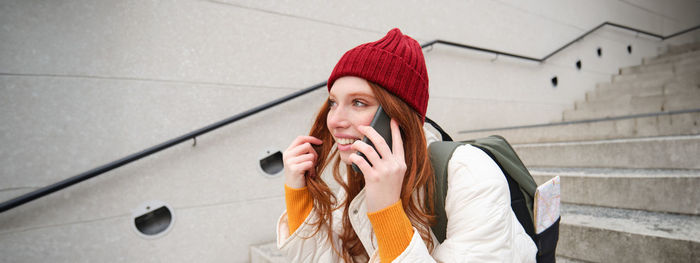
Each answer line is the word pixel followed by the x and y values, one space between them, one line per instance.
pixel 352 104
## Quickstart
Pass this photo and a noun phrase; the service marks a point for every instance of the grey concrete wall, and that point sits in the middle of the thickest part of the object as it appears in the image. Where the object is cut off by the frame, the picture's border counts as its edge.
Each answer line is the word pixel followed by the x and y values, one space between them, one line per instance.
pixel 83 83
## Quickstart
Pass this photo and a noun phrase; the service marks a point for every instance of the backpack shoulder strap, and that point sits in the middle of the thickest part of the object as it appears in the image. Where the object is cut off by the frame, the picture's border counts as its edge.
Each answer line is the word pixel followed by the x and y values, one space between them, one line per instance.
pixel 440 154
pixel 520 183
pixel 506 156
pixel 443 133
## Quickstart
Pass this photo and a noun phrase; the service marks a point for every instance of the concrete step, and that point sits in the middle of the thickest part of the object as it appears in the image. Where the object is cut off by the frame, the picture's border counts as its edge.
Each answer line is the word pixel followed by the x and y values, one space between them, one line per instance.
pixel 674 71
pixel 681 62
pixel 611 91
pixel 680 94
pixel 686 76
pixel 560 259
pixel 651 126
pixel 673 191
pixel 631 105
pixel 599 234
pixel 665 152
pixel 643 77
pixel 672 57
pixel 657 67
pixel 683 48
pixel 266 253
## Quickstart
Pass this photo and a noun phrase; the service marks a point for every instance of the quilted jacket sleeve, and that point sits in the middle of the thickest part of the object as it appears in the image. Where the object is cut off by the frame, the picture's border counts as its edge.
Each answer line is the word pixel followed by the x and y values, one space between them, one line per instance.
pixel 481 225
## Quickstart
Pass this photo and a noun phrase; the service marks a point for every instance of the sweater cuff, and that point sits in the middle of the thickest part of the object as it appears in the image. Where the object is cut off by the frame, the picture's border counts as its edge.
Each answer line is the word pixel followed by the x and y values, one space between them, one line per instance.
pixel 299 205
pixel 393 229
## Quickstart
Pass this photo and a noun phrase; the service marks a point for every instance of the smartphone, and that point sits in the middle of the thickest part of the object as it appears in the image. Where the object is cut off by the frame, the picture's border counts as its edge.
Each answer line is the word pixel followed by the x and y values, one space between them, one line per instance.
pixel 380 123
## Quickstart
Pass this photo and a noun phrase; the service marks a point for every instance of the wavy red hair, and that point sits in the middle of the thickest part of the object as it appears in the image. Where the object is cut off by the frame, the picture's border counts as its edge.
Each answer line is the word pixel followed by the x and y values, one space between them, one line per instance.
pixel 417 190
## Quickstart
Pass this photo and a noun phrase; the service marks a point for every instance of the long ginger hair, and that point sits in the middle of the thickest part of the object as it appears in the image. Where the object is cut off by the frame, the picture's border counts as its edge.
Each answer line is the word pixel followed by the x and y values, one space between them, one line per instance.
pixel 418 184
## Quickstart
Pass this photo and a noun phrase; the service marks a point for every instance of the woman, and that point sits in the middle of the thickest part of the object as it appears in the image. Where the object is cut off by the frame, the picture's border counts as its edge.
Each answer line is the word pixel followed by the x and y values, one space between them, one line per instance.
pixel 384 213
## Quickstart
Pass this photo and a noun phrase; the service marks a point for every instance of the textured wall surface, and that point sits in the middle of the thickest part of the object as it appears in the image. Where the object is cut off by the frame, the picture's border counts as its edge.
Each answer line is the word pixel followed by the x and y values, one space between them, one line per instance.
pixel 83 83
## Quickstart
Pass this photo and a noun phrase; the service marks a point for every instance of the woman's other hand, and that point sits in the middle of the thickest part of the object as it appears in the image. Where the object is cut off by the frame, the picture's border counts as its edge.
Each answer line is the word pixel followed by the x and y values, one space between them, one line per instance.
pixel 298 159
pixel 384 178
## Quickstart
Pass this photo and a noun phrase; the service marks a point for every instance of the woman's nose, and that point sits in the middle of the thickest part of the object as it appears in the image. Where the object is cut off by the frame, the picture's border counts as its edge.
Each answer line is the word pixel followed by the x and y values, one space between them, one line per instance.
pixel 337 118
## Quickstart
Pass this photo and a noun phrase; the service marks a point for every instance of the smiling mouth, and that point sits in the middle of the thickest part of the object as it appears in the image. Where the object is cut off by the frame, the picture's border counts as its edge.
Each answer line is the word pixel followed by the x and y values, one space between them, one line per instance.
pixel 345 141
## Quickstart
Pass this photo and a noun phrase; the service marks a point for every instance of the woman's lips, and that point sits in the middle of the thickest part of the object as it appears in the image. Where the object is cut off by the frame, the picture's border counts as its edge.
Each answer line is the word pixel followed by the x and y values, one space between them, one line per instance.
pixel 345 144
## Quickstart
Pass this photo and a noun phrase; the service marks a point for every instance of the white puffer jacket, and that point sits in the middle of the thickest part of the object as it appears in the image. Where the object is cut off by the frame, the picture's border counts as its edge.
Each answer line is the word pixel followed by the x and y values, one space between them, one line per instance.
pixel 481 224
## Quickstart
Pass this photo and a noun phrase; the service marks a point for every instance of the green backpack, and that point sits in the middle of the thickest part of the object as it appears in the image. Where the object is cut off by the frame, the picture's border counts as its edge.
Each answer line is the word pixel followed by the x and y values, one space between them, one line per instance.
pixel 520 183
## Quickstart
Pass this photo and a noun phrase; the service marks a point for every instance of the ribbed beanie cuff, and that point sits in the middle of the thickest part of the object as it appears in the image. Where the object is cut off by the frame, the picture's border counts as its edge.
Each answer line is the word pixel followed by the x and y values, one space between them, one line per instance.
pixel 394 62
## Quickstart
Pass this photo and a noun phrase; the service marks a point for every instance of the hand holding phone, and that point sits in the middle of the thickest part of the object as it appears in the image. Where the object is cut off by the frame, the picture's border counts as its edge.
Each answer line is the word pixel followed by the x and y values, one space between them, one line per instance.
pixel 380 123
pixel 386 172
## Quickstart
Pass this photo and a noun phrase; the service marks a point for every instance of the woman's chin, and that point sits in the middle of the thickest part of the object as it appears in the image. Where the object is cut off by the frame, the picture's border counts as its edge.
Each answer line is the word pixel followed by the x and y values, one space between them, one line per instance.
pixel 345 158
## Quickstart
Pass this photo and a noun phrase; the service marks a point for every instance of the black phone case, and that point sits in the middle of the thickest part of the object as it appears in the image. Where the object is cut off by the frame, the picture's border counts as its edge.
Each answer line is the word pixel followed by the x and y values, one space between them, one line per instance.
pixel 380 123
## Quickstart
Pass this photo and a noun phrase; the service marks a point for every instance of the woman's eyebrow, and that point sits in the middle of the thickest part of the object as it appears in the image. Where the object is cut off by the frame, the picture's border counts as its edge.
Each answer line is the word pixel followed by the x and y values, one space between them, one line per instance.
pixel 361 94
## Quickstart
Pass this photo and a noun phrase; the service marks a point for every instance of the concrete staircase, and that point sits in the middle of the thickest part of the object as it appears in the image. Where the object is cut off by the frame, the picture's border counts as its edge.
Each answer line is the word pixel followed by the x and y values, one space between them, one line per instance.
pixel 631 178
pixel 628 155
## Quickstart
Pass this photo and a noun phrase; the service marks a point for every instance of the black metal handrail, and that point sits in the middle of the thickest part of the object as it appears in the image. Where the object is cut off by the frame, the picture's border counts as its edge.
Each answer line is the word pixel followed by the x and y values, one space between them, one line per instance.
pixel 154 149
pixel 28 197
pixel 438 41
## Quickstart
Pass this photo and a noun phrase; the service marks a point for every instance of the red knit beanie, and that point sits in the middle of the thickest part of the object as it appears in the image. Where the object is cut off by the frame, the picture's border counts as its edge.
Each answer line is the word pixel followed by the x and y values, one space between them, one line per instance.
pixel 394 62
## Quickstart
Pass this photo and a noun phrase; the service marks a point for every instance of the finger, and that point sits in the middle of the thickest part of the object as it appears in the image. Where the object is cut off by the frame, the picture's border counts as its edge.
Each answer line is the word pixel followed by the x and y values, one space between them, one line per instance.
pixel 295 143
pixel 361 163
pixel 292 152
pixel 305 166
pixel 302 158
pixel 396 140
pixel 304 139
pixel 314 140
pixel 367 150
pixel 299 150
pixel 378 141
pixel 307 148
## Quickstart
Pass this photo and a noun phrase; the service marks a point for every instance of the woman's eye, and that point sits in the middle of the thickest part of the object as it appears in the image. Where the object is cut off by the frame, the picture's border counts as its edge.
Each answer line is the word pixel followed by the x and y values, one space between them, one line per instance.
pixel 331 103
pixel 358 103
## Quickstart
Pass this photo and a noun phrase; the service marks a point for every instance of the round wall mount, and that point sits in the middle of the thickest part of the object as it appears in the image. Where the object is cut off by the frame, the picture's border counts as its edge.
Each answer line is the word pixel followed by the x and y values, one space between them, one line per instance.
pixel 152 219
pixel 271 163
